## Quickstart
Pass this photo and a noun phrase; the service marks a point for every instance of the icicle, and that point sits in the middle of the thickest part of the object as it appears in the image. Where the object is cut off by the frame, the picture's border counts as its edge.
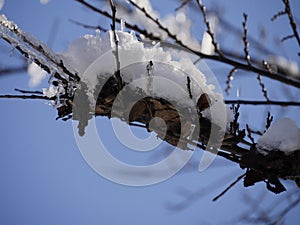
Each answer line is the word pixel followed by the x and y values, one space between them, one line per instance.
pixel 238 92
pixel 71 88
pixel 133 34
pixel 29 45
pixel 12 50
pixel 97 31
pixel 29 60
pixel 122 24
pixel 52 75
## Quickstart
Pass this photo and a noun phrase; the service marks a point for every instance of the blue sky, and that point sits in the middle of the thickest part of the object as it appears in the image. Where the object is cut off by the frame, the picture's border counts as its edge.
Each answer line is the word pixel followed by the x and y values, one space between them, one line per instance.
pixel 44 178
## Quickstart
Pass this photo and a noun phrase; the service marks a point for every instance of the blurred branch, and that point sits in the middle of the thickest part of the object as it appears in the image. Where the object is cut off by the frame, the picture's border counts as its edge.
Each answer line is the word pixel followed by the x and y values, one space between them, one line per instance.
pixel 89 26
pixel 17 69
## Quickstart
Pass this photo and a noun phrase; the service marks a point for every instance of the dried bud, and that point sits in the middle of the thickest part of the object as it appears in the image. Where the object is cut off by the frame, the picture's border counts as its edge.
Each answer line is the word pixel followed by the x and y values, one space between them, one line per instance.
pixel 203 102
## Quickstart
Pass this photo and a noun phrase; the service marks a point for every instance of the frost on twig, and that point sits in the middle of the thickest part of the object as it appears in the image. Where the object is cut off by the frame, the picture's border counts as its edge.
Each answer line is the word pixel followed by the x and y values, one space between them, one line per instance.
pixel 33 49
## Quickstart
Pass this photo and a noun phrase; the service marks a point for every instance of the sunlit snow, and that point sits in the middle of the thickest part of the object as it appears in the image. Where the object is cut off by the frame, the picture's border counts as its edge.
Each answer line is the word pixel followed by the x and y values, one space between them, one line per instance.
pixel 36 74
pixel 283 135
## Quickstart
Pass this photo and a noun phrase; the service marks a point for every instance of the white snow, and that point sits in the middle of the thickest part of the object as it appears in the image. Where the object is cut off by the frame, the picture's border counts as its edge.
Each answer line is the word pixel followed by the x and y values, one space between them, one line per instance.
pixel 206 44
pixel 134 58
pixel 50 92
pixel 36 74
pixel 283 135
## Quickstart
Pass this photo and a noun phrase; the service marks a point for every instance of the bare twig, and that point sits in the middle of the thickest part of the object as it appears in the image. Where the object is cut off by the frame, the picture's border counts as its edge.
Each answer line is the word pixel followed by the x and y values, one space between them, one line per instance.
pixel 234 125
pixel 281 13
pixel 209 31
pixel 287 37
pixel 270 102
pixel 27 97
pixel 229 79
pixel 229 187
pixel 88 26
pixel 269 121
pixel 28 92
pixel 292 21
pixel 249 134
pixel 245 39
pixel 263 88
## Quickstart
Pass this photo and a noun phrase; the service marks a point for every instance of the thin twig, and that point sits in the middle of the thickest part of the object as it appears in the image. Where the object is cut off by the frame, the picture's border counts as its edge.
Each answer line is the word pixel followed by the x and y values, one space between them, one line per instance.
pixel 184 2
pixel 27 97
pixel 263 88
pixel 209 31
pixel 229 79
pixel 230 186
pixel 245 39
pixel 287 37
pixel 270 102
pixel 249 134
pixel 291 18
pixel 234 125
pixel 268 121
pixel 88 26
pixel 281 13
pixel 28 92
